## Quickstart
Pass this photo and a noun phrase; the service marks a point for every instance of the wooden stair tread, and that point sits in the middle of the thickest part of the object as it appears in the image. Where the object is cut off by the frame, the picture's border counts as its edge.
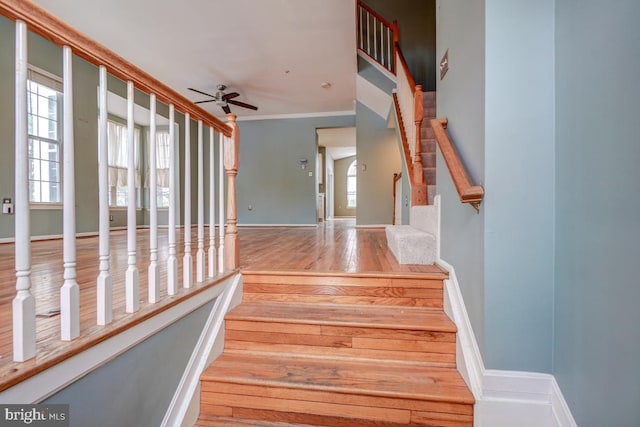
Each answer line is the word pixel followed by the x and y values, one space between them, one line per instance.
pixel 347 377
pixel 238 422
pixel 379 317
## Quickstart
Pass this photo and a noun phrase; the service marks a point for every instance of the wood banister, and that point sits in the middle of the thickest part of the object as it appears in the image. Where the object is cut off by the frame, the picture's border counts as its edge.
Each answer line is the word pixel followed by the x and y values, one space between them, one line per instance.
pixel 472 194
pixel 375 14
pixel 403 64
pixel 45 24
pixel 231 165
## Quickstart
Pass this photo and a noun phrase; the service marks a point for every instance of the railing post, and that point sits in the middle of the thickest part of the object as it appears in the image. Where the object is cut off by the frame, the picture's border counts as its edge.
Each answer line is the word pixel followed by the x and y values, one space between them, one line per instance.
pixel 104 283
pixel 200 261
pixel 154 287
pixel 187 259
pixel 24 304
pixel 418 171
pixel 212 206
pixel 132 286
pixel 231 164
pixel 70 292
pixel 172 261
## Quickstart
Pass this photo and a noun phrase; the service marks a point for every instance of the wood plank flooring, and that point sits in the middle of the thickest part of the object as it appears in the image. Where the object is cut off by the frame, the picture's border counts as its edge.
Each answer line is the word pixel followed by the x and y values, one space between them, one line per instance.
pixel 333 246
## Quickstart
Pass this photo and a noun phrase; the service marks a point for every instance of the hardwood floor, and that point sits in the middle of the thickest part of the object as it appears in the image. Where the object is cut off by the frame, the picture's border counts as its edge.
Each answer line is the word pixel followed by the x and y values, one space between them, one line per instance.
pixel 334 246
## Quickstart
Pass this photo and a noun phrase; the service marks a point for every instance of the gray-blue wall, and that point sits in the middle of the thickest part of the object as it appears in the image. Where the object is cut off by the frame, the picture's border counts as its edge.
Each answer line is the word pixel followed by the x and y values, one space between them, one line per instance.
pixel 461 99
pixel 270 179
pixel 519 181
pixel 135 388
pixel 597 345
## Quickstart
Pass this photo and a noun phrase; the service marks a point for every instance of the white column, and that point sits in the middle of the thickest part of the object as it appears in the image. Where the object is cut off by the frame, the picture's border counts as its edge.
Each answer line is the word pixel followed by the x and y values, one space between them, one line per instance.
pixel 221 204
pixel 212 206
pixel 24 304
pixel 200 261
pixel 104 283
pixel 187 260
pixel 70 292
pixel 132 286
pixel 153 272
pixel 172 261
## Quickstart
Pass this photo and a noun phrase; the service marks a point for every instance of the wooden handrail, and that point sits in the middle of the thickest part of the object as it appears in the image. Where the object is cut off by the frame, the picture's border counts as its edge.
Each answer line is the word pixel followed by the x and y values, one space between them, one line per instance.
pixel 403 63
pixel 472 194
pixel 48 26
pixel 375 14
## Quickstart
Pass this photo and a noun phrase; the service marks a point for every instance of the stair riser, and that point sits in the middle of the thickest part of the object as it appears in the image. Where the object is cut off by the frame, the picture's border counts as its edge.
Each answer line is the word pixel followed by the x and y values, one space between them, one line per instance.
pixel 422 294
pixel 344 412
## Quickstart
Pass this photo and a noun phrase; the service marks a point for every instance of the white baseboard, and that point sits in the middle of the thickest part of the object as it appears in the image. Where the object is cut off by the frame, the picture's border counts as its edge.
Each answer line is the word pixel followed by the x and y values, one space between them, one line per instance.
pixel 372 226
pixel 503 398
pixel 184 407
pixel 277 225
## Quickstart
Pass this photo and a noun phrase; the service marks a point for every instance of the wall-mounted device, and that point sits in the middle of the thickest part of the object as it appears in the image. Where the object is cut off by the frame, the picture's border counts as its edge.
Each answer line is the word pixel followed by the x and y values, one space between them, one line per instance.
pixel 7 206
pixel 303 163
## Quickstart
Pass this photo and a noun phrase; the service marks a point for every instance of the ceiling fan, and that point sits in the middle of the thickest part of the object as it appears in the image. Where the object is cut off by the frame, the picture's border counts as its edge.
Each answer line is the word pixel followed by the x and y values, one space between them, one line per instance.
pixel 223 99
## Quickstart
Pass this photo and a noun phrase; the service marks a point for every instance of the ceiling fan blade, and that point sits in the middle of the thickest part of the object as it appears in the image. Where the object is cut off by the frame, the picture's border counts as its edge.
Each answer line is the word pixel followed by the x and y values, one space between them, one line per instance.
pixel 201 92
pixel 242 104
pixel 208 100
pixel 226 109
pixel 230 95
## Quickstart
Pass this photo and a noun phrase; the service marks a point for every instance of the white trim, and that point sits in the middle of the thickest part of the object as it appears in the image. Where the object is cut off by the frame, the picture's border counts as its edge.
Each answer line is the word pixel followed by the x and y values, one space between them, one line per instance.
pixel 37 206
pixel 372 225
pixel 277 225
pixel 184 407
pixel 561 413
pixel 379 67
pixel 503 398
pixel 297 115
pixel 54 379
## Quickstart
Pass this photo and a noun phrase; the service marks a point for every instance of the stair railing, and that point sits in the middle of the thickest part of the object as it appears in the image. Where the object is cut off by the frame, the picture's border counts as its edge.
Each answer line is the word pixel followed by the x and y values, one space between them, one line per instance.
pixel 472 194
pixel 377 37
pixel 29 16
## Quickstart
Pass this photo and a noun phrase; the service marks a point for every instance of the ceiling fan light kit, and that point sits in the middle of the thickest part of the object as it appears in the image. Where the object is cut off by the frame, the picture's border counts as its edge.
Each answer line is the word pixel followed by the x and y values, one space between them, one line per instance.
pixel 223 99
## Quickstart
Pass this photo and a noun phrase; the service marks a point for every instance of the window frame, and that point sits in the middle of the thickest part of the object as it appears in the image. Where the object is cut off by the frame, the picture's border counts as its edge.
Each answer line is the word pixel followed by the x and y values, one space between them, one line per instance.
pixel 52 82
pixel 113 190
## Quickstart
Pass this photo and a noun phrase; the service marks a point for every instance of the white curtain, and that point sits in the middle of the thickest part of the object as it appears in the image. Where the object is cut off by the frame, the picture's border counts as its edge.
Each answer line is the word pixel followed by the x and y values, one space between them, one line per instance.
pixel 162 159
pixel 118 154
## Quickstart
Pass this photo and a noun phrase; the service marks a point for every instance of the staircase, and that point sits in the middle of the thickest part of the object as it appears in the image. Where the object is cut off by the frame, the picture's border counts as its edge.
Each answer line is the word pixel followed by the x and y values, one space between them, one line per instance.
pixel 428 145
pixel 337 349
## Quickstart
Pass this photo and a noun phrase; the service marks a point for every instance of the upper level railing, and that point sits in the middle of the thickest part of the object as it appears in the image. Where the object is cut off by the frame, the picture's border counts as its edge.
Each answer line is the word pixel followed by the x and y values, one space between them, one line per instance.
pixel 223 254
pixel 472 194
pixel 377 37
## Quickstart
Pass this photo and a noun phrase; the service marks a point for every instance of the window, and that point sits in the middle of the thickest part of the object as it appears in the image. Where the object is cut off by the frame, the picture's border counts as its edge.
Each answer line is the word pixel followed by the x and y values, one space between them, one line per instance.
pixel 44 101
pixel 351 185
pixel 118 163
pixel 162 167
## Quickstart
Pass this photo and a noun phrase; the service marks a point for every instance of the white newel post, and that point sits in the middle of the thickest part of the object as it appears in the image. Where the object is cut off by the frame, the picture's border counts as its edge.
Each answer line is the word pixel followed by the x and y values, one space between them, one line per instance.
pixel 172 261
pixel 212 206
pixel 24 304
pixel 132 286
pixel 104 283
pixel 200 261
pixel 154 286
pixel 187 260
pixel 221 204
pixel 70 292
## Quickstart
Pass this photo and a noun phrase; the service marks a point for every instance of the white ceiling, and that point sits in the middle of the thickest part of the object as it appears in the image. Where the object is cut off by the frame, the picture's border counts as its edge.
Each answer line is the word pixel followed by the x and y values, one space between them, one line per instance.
pixel 275 53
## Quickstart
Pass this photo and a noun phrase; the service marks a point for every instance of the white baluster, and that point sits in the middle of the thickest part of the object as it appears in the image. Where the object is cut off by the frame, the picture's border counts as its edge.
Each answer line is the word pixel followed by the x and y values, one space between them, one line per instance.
pixel 389 65
pixel 172 261
pixel 153 272
pixel 221 205
pixel 375 40
pixel 104 283
pixel 200 261
pixel 70 292
pixel 132 286
pixel 187 260
pixel 24 304
pixel 361 29
pixel 212 206
pixel 368 33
